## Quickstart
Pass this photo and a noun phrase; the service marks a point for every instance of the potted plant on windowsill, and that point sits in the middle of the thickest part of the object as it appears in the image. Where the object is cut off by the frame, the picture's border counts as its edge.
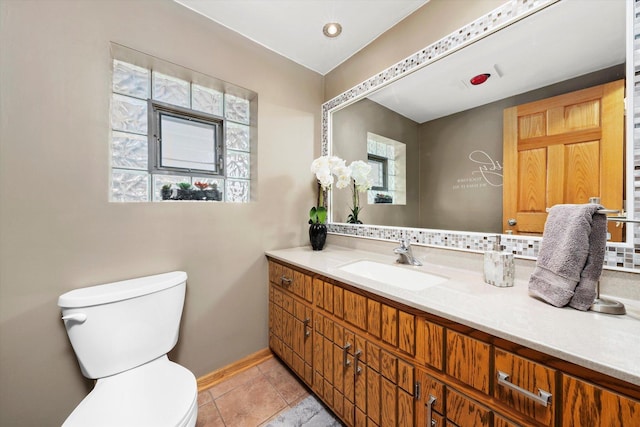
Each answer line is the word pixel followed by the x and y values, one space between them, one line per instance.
pixel 165 192
pixel 325 167
pixel 184 191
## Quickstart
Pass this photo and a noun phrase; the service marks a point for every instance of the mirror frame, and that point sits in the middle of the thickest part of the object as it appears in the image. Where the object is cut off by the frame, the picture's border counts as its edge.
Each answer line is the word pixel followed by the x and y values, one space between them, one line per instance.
pixel 619 256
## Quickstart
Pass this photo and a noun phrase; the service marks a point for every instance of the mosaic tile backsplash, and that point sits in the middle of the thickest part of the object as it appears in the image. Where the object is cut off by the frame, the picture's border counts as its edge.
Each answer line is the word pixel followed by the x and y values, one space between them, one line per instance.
pixel 617 256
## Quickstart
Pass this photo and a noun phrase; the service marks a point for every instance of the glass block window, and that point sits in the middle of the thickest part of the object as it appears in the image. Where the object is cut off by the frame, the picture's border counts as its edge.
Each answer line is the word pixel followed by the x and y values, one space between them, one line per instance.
pixel 387 158
pixel 174 139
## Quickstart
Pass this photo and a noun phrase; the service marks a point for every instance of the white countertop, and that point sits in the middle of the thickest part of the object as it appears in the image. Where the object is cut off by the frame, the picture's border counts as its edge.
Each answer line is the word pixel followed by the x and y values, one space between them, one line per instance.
pixel 609 344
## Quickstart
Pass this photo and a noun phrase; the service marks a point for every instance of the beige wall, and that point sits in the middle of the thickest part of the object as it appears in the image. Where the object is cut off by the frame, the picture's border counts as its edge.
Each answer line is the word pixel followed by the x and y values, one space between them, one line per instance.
pixel 428 24
pixel 58 231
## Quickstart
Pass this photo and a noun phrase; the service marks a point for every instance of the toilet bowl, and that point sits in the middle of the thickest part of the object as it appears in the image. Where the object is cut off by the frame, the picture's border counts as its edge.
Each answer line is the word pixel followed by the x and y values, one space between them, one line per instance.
pixel 121 333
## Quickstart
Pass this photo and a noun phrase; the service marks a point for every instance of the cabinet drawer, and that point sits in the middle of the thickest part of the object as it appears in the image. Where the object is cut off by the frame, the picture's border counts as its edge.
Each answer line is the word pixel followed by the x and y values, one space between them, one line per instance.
pixel 406 332
pixel 587 404
pixel 390 325
pixel 302 285
pixel 430 343
pixel 327 296
pixel 355 309
pixel 463 411
pixel 275 272
pixel 373 317
pixel 525 386
pixel 468 360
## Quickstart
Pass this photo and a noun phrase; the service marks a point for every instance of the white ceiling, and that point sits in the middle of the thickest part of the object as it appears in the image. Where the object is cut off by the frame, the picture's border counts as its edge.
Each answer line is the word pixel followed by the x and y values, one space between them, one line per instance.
pixel 563 41
pixel 293 28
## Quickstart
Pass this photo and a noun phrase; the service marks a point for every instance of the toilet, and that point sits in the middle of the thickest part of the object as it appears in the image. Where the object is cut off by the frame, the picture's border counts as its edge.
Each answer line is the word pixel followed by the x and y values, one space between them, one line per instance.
pixel 121 333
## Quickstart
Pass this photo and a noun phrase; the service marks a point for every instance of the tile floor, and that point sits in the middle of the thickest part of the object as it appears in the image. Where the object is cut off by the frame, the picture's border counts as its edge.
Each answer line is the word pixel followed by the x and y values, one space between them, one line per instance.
pixel 251 398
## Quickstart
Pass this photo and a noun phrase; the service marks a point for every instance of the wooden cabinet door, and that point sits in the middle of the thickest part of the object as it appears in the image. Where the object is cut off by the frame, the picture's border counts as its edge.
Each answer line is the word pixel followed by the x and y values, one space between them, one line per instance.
pixel 463 411
pixel 564 149
pixel 529 387
pixel 468 360
pixel 586 404
pixel 430 343
pixel 429 399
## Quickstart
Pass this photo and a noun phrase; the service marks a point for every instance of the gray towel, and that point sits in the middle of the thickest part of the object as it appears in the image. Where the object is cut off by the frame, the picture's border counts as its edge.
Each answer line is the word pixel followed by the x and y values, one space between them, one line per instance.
pixel 571 256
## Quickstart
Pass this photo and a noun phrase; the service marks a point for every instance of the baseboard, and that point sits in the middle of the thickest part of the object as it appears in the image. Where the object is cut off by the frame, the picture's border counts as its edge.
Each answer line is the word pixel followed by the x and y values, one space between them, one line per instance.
pixel 209 380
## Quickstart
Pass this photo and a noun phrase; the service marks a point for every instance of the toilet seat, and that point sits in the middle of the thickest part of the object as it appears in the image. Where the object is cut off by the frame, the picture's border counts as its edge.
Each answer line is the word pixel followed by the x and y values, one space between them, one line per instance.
pixel 158 393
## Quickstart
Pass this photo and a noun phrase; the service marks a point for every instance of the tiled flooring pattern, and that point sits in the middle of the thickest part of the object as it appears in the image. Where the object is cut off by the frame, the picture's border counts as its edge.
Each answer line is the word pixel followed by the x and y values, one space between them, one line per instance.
pixel 251 398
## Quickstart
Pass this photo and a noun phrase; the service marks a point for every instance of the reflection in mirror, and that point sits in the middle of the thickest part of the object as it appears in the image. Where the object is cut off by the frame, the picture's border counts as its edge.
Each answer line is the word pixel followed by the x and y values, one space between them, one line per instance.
pixel 453 131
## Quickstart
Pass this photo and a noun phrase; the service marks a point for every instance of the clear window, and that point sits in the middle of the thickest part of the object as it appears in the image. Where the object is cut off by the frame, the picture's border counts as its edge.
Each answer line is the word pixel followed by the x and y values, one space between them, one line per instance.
pixel 183 141
pixel 378 172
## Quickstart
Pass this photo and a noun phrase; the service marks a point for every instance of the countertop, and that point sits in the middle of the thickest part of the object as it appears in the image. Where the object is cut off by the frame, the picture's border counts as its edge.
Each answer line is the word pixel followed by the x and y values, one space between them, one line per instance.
pixel 609 344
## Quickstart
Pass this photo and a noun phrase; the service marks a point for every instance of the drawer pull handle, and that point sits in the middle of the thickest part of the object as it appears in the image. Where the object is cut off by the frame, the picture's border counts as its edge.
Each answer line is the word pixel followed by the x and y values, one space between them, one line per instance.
pixel 285 281
pixel 345 360
pixel 543 397
pixel 306 322
pixel 356 358
pixel 430 421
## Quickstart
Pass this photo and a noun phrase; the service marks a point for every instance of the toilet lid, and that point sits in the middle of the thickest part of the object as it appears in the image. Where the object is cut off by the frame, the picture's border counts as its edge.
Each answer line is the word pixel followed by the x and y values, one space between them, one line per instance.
pixel 159 393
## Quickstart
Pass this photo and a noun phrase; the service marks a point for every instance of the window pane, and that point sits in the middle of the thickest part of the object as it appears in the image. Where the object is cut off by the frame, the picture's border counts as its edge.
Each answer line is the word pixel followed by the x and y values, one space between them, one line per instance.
pixel 171 90
pixel 216 186
pixel 128 114
pixel 160 180
pixel 377 173
pixel 372 147
pixel 129 151
pixel 391 167
pixel 129 186
pixel 237 191
pixel 236 109
pixel 187 144
pixel 237 137
pixel 205 99
pixel 130 80
pixel 238 164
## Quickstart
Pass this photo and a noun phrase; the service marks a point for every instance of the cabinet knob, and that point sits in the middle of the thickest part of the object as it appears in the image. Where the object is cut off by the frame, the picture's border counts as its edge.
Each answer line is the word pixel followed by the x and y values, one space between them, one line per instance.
pixel 285 281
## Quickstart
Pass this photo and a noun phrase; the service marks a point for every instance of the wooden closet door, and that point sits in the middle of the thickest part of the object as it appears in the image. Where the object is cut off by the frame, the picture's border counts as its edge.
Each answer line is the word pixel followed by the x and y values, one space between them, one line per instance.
pixel 564 149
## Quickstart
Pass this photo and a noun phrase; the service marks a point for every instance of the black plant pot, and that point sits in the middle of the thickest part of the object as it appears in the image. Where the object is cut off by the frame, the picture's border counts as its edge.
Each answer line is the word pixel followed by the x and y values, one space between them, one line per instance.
pixel 317 236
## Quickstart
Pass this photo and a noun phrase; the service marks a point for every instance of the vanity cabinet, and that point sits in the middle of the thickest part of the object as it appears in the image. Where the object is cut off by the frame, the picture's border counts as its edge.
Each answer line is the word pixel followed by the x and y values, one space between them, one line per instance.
pixel 378 363
pixel 290 317
pixel 588 404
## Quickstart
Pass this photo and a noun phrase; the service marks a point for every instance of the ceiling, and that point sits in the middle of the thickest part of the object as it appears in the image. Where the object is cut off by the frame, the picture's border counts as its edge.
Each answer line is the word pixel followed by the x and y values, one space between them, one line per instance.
pixel 568 39
pixel 293 28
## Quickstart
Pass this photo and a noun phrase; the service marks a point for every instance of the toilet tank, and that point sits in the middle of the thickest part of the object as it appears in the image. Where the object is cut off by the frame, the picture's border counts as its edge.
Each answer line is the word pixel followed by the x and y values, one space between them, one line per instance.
pixel 117 326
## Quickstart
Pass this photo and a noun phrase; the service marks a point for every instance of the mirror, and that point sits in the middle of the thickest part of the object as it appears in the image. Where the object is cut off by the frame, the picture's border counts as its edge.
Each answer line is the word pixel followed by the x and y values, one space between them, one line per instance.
pixel 452 130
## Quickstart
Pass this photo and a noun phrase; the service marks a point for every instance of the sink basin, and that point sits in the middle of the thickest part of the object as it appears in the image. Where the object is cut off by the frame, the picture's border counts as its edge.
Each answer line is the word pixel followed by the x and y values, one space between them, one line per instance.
pixel 409 278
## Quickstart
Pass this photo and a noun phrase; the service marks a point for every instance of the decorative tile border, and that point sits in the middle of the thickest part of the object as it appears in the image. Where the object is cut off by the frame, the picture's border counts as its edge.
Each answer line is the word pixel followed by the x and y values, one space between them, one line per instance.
pixel 617 257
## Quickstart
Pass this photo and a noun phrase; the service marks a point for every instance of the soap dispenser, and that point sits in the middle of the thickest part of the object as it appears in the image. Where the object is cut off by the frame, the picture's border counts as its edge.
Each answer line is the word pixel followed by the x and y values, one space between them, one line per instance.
pixel 499 266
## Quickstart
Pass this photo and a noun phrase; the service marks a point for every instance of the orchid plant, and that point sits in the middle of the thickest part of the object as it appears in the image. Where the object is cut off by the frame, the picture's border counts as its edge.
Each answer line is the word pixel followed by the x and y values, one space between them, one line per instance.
pixel 325 167
pixel 359 171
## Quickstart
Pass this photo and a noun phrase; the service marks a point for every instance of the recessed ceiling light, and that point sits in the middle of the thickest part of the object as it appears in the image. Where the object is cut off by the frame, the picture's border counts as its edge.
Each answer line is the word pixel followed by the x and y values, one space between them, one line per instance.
pixel 332 29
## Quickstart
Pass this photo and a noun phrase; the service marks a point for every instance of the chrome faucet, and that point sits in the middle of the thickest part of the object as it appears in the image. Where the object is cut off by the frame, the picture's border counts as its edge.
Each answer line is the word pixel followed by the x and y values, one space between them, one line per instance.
pixel 405 255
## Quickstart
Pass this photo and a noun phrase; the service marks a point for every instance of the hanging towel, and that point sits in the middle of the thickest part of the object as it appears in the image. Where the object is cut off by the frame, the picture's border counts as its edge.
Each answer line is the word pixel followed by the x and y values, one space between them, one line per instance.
pixel 571 255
